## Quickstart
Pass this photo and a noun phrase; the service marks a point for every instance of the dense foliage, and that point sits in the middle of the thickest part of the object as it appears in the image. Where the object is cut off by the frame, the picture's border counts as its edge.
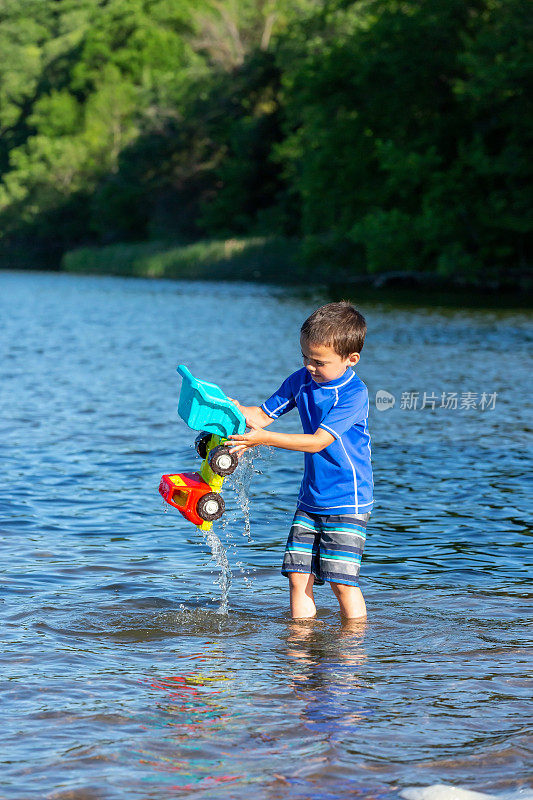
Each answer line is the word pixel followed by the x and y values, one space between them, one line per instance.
pixel 384 134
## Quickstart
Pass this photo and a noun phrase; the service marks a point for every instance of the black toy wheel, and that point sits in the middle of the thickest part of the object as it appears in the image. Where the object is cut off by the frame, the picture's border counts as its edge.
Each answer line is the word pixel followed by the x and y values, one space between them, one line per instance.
pixel 221 461
pixel 210 506
pixel 201 442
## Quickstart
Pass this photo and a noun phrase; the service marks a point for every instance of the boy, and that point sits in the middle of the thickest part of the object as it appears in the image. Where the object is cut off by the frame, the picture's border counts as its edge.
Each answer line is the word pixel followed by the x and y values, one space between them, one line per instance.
pixel 327 536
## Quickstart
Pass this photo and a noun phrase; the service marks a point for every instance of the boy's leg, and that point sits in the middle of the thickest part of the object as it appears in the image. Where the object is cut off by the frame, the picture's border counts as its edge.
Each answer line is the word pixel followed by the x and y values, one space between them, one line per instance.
pixel 342 543
pixel 302 600
pixel 299 564
pixel 351 601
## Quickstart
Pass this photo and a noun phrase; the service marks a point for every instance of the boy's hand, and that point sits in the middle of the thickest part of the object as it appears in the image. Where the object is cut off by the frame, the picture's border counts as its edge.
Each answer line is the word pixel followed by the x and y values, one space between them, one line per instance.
pixel 242 409
pixel 244 441
pixel 304 442
pixel 255 416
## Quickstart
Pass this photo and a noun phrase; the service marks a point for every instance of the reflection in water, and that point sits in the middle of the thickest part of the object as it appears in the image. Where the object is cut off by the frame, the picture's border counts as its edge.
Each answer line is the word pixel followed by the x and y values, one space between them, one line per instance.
pixel 190 712
pixel 329 675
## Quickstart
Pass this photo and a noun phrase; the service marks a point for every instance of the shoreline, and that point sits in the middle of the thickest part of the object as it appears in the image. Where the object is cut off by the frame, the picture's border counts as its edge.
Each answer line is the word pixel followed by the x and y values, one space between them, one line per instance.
pixel 277 261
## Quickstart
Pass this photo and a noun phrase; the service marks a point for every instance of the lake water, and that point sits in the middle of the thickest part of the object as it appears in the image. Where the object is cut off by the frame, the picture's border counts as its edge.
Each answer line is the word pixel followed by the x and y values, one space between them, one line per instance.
pixel 135 664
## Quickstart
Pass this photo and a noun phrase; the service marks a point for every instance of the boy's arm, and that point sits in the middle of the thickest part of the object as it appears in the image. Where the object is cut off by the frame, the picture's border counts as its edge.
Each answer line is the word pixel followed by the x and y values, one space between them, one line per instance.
pixel 258 417
pixel 305 442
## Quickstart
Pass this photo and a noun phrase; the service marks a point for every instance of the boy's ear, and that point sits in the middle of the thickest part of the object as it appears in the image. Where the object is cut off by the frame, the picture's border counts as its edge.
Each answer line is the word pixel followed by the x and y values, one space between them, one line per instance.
pixel 354 358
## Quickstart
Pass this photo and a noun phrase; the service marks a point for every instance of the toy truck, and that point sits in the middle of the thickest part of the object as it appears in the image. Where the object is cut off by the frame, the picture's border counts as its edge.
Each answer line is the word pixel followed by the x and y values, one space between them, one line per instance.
pixel 204 407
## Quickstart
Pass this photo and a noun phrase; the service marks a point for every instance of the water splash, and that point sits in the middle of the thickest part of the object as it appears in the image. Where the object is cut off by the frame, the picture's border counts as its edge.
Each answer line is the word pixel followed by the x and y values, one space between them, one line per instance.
pixel 219 555
pixel 239 482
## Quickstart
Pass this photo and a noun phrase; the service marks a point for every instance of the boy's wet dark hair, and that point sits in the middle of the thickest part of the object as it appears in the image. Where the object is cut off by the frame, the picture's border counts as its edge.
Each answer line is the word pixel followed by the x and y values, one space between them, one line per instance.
pixel 336 325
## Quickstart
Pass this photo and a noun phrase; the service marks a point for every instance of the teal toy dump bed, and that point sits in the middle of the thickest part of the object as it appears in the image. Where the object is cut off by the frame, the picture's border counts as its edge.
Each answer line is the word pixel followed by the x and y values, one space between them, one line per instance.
pixel 205 407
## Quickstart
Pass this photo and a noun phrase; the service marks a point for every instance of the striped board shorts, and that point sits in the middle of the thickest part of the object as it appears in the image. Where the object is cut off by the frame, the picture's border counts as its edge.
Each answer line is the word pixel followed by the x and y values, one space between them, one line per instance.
pixel 330 547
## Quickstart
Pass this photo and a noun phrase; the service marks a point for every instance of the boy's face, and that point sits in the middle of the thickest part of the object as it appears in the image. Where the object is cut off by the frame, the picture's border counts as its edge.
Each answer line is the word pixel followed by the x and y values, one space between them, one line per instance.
pixel 323 362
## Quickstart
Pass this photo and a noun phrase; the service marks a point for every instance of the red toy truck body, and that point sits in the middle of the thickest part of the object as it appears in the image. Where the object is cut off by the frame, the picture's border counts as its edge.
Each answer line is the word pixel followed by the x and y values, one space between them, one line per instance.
pixel 184 491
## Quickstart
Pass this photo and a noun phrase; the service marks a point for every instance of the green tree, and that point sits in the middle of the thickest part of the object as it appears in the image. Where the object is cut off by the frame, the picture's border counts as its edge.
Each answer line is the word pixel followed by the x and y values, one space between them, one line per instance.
pixel 402 138
pixel 386 135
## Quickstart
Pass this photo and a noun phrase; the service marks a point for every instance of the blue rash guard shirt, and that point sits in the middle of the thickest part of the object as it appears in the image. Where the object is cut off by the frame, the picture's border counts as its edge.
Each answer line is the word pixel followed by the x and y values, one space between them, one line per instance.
pixel 338 480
